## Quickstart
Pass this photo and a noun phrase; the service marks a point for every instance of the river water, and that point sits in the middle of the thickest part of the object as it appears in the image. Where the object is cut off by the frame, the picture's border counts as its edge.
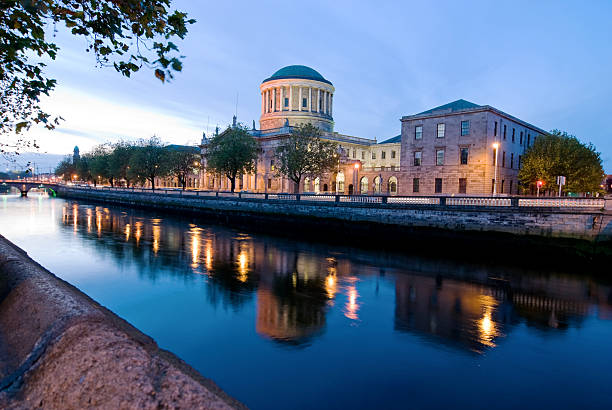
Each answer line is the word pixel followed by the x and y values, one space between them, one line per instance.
pixel 284 324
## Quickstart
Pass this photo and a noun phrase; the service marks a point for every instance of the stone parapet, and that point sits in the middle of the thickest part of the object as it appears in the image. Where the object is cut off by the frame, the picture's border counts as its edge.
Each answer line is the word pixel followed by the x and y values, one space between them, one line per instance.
pixel 60 349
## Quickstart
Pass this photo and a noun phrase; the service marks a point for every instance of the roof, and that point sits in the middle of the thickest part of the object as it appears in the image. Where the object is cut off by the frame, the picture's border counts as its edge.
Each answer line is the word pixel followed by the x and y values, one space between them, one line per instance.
pixel 452 107
pixel 397 138
pixel 190 148
pixel 297 71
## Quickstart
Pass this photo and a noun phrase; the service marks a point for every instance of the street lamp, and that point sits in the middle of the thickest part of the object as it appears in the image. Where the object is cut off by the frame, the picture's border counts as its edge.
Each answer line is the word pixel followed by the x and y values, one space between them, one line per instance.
pixel 539 185
pixel 496 148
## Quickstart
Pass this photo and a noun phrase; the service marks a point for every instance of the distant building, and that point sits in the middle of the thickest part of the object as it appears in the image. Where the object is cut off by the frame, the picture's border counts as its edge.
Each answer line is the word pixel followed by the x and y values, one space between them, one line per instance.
pixel 76 156
pixel 608 184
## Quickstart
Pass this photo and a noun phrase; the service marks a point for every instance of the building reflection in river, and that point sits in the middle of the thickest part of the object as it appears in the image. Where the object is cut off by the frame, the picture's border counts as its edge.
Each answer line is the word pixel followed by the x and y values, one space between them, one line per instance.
pixel 295 285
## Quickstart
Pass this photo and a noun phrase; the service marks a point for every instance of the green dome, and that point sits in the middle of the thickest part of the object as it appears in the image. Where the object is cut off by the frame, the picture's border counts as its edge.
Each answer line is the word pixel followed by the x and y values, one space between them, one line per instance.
pixel 297 71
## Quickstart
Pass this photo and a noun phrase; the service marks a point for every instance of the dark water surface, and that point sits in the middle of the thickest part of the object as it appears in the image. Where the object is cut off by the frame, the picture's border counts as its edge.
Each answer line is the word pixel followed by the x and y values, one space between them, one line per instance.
pixel 283 324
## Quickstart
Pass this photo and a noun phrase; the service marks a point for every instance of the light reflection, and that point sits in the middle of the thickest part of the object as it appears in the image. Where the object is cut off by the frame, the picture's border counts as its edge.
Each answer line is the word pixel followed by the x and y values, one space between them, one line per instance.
pixel 243 266
pixel 138 233
pixel 352 307
pixel 330 285
pixel 75 216
pixel 89 220
pixel 127 232
pixel 99 222
pixel 195 249
pixel 208 255
pixel 487 328
pixel 156 236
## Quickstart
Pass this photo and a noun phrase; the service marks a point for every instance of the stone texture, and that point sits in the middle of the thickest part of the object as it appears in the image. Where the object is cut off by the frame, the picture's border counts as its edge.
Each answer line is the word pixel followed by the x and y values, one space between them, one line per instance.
pixel 60 349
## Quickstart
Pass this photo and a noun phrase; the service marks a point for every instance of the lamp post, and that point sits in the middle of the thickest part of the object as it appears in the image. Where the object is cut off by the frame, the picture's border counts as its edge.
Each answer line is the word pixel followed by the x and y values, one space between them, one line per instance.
pixel 496 148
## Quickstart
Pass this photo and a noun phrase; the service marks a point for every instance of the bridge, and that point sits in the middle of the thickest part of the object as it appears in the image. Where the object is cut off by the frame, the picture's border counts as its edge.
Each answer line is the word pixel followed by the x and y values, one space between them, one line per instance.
pixel 24 186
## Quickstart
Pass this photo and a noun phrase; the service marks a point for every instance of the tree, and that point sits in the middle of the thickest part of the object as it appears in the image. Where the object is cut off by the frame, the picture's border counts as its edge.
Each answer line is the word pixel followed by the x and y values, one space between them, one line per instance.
pixel 561 154
pixel 124 34
pixel 99 163
pixel 65 169
pixel 304 154
pixel 82 168
pixel 181 163
pixel 119 162
pixel 231 153
pixel 148 161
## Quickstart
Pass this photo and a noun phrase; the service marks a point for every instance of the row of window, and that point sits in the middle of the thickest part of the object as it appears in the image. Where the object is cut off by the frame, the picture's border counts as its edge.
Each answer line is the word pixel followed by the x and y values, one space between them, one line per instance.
pixel 441 130
pixel 383 154
pixel 522 138
pixel 464 153
pixel 503 159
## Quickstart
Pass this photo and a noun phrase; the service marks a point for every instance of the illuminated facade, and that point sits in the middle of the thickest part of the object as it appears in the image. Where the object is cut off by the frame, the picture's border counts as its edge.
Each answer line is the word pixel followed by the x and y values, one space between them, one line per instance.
pixel 300 95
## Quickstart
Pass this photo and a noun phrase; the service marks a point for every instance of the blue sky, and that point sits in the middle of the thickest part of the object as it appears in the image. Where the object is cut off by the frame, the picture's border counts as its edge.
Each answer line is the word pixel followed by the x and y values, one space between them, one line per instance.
pixel 546 62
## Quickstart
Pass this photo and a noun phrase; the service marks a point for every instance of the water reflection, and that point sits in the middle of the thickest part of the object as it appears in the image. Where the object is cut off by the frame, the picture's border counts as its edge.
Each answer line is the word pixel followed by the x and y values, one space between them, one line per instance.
pixel 295 287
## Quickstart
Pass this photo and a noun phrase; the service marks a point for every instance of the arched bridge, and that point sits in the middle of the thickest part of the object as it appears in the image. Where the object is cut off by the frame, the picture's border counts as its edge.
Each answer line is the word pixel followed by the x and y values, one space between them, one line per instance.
pixel 25 186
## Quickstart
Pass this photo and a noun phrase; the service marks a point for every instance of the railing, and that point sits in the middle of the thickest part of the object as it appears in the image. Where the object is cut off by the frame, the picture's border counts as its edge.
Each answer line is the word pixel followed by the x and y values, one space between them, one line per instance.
pixel 448 201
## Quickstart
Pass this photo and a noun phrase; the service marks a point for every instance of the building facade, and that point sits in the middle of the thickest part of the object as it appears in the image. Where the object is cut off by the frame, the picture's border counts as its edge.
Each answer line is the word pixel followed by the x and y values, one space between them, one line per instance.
pixel 447 150
pixel 463 148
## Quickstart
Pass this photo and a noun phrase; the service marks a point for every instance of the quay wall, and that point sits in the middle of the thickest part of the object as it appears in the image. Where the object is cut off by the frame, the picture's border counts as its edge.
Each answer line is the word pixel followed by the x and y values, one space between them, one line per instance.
pixel 586 224
pixel 60 349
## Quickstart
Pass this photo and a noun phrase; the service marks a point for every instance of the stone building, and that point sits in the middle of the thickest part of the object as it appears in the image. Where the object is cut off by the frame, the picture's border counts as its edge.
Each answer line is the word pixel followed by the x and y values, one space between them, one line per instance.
pixel 297 95
pixel 450 149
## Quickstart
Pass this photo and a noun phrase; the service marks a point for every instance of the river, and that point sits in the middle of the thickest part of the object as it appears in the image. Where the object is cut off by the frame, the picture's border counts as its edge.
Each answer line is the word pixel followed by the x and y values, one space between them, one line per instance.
pixel 280 323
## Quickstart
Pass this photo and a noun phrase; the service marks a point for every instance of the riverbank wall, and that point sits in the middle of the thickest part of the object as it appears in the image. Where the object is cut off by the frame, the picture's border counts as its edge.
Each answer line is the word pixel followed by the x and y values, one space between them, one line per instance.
pixel 465 228
pixel 60 349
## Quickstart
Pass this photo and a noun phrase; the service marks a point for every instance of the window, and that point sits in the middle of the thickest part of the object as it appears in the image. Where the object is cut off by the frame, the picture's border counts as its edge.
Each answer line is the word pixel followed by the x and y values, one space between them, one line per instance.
pixel 521 140
pixel 363 186
pixel 415 184
pixel 519 163
pixel 494 155
pixel 502 186
pixel 362 154
pixel 464 156
pixel 438 185
pixel 510 187
pixel 441 129
pixel 511 160
pixel 417 158
pixel 504 132
pixel 504 159
pixel 513 133
pixel 354 153
pixel 304 102
pixel 286 102
pixel 528 140
pixel 492 185
pixel 271 165
pixel 373 155
pixel 392 154
pixel 465 128
pixel 269 183
pixel 495 129
pixel 439 157
pixel 383 155
pixel 418 132
pixel 462 185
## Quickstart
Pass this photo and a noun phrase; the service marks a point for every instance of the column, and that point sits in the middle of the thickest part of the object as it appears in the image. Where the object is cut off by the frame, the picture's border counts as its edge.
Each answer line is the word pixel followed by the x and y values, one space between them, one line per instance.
pixel 273 99
pixel 300 100
pixel 331 105
pixel 263 103
pixel 282 100
pixel 267 100
pixel 325 102
pixel 290 98
pixel 309 99
pixel 319 100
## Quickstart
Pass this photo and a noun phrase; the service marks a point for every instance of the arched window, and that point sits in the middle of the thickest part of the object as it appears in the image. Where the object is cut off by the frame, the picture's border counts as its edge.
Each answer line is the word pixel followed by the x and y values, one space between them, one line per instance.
pixel 325 188
pixel 377 185
pixel 363 185
pixel 306 184
pixel 393 186
pixel 340 182
pixel 317 184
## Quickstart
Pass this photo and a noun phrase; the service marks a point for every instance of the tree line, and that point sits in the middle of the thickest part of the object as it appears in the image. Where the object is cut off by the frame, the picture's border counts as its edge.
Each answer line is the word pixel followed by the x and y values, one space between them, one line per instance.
pixel 132 163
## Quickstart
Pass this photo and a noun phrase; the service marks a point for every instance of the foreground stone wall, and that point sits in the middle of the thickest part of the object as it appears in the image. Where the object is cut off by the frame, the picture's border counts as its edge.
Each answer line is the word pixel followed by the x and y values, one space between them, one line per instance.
pixel 60 349
pixel 591 225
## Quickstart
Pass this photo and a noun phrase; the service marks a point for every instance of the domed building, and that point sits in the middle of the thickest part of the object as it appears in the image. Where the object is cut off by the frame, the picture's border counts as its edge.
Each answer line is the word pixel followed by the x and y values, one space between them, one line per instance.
pixel 294 95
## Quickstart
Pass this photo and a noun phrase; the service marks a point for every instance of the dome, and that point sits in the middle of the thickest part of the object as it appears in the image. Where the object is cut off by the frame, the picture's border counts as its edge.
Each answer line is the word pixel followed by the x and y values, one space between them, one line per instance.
pixel 297 71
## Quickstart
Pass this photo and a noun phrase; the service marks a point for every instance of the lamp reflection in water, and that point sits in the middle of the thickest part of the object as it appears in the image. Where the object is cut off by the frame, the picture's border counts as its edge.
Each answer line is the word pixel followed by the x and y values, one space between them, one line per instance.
pixel 208 255
pixel 89 220
pixel 127 232
pixel 99 222
pixel 156 235
pixel 487 329
pixel 138 233
pixel 352 307
pixel 195 249
pixel 75 216
pixel 243 263
pixel 330 284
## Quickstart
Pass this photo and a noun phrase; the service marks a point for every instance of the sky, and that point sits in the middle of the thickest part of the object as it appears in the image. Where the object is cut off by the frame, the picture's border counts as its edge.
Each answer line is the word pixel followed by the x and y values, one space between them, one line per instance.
pixel 545 62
